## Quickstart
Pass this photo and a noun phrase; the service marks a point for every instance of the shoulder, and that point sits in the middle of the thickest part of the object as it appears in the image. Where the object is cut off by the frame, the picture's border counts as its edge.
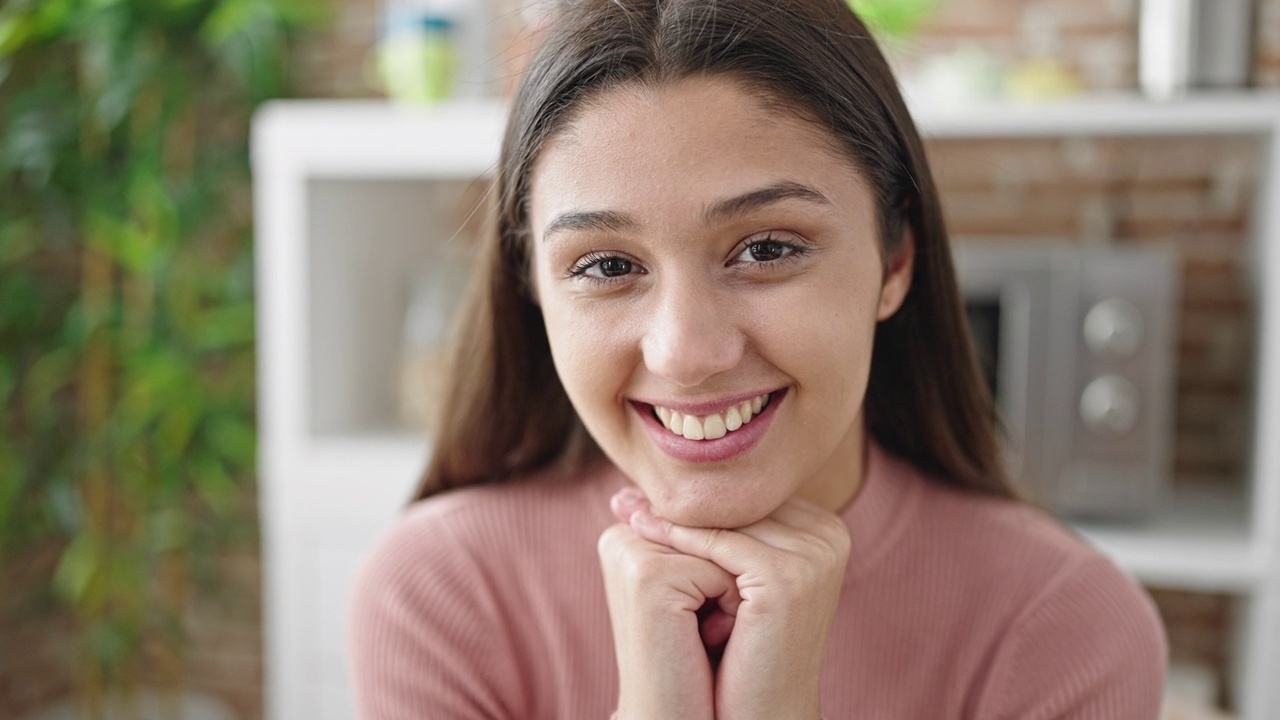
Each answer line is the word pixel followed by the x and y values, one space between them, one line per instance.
pixel 1090 643
pixel 1077 634
pixel 472 526
pixel 1001 540
pixel 432 628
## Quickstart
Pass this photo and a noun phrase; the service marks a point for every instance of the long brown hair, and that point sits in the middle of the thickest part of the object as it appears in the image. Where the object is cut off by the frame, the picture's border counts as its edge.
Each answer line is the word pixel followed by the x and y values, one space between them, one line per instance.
pixel 505 413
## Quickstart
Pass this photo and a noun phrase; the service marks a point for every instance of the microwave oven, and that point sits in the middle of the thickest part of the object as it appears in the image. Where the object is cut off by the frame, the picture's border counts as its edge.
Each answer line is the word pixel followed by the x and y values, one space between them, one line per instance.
pixel 1078 345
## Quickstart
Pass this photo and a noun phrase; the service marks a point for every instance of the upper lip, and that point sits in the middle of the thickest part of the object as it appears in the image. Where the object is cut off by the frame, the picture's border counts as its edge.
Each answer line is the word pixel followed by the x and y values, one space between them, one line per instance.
pixel 706 407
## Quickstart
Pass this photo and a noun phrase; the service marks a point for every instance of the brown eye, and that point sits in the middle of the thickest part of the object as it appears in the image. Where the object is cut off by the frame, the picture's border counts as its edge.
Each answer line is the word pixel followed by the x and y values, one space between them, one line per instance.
pixel 614 267
pixel 767 250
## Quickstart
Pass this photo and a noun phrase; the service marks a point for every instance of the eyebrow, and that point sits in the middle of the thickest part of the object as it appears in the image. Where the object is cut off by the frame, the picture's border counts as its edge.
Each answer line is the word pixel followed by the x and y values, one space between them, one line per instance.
pixel 603 220
pixel 755 199
pixel 614 221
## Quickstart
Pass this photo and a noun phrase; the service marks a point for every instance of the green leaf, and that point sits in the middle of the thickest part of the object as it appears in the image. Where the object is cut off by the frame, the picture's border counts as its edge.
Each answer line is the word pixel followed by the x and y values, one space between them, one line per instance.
pixel 18 241
pixel 49 374
pixel 135 248
pixel 180 419
pixel 52 16
pixel 167 530
pixel 21 302
pixel 11 485
pixel 230 18
pixel 226 327
pixel 303 14
pixel 79 564
pixel 111 642
pixel 37 131
pixel 8 386
pixel 233 439
pixel 15 29
pixel 216 486
pixel 896 18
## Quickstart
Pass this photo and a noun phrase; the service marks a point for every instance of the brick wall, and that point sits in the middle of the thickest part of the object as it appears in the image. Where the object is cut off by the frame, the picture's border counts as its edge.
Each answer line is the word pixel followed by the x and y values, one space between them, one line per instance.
pixel 1134 191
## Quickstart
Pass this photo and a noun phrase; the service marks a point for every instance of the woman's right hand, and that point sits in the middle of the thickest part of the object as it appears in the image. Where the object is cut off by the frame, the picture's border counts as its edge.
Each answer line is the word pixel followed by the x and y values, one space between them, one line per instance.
pixel 655 594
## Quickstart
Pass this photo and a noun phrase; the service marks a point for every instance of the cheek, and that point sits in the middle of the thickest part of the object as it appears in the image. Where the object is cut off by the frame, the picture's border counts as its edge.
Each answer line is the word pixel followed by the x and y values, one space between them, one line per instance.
pixel 590 355
pixel 825 342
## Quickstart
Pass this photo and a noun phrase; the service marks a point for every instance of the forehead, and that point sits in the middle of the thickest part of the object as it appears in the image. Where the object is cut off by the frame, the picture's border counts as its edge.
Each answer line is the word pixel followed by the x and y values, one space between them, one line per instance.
pixel 660 151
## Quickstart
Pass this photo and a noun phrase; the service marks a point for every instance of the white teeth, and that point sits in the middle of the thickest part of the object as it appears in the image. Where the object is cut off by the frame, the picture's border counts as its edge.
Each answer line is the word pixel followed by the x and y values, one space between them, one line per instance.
pixel 714 426
pixel 692 428
pixel 732 419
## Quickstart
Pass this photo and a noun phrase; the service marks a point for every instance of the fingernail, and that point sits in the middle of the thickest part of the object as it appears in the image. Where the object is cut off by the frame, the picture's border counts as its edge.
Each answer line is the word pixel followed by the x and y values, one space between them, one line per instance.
pixel 628 498
pixel 645 516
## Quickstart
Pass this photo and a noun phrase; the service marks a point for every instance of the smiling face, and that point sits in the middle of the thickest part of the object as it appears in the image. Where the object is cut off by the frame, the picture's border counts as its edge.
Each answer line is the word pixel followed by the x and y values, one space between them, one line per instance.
pixel 710 276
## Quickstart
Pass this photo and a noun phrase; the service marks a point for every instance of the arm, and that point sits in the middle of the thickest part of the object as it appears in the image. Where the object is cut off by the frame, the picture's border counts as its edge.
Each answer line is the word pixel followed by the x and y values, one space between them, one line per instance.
pixel 1091 646
pixel 426 638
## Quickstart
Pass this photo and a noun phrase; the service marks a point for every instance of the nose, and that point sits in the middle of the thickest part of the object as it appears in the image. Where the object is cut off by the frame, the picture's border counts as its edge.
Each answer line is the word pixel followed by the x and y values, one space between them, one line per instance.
pixel 692 335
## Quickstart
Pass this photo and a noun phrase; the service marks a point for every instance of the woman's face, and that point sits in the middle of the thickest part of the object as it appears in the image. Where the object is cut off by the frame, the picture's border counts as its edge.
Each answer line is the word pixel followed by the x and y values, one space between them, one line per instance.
pixel 698 255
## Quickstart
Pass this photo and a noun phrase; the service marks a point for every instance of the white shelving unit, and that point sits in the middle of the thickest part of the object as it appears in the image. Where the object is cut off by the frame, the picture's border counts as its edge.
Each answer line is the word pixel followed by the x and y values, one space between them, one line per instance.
pixel 349 194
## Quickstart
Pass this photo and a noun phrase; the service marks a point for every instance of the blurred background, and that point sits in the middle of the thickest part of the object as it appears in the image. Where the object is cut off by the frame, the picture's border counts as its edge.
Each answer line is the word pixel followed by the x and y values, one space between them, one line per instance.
pixel 232 233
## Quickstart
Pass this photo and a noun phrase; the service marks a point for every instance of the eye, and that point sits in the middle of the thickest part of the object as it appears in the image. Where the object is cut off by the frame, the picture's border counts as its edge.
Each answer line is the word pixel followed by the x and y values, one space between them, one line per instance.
pixel 768 250
pixel 603 267
pixel 611 267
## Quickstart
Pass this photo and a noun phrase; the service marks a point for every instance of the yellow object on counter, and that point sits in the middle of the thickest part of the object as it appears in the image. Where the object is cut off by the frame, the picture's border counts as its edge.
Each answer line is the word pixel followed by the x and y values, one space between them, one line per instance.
pixel 1042 79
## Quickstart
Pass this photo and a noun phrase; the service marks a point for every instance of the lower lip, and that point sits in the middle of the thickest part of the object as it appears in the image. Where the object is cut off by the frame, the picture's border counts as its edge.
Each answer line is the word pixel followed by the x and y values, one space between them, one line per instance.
pixel 738 442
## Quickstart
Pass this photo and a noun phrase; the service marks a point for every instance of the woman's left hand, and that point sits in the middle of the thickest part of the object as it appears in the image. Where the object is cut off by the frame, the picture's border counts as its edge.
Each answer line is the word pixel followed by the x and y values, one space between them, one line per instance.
pixel 789 569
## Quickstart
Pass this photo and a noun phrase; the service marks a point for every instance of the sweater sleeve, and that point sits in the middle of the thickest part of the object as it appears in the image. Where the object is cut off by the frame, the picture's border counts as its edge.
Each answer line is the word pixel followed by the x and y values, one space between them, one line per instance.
pixel 1091 647
pixel 425 634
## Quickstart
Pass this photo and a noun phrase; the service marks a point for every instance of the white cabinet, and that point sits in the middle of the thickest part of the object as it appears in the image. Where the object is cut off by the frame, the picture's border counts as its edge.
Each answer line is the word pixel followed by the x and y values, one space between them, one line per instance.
pixel 351 197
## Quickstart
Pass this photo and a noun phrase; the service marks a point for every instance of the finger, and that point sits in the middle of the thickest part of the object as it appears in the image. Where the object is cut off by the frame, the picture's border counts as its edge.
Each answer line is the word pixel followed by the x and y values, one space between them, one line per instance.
pixel 625 502
pixel 642 565
pixel 772 533
pixel 729 549
pixel 783 536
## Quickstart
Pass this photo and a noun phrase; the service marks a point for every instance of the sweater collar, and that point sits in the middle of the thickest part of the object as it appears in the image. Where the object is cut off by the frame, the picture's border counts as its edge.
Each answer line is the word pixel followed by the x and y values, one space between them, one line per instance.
pixel 879 510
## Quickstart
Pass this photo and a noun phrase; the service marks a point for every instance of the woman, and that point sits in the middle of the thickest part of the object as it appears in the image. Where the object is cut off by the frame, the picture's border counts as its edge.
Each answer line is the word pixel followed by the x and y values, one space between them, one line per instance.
pixel 716 444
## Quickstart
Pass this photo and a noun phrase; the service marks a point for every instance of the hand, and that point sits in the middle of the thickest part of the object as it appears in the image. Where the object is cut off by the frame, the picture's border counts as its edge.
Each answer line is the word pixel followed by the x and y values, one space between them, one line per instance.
pixel 788 570
pixel 655 596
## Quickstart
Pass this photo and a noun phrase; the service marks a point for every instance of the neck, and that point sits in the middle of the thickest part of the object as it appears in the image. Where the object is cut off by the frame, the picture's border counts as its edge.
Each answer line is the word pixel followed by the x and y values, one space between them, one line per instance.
pixel 838 480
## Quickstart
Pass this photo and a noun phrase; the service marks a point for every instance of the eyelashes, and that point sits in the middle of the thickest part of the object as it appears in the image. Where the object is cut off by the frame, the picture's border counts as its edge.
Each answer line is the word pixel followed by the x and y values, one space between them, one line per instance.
pixel 603 267
pixel 760 254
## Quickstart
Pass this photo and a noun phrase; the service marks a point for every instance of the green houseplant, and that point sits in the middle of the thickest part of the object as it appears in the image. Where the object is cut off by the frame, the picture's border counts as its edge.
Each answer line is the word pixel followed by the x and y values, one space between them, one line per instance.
pixel 126 315
pixel 893 18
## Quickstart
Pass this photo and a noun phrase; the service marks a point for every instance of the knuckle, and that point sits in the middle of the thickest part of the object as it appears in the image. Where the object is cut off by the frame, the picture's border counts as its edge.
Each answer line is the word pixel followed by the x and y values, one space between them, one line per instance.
pixel 611 540
pixel 706 541
pixel 835 536
pixel 643 569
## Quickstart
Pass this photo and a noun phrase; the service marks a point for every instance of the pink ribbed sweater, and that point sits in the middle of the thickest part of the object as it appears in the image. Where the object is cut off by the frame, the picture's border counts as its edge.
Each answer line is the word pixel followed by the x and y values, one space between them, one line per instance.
pixel 488 603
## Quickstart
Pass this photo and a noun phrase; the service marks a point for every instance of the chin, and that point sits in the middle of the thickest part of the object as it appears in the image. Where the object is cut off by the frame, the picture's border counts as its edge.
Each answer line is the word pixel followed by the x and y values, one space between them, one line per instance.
pixel 710 511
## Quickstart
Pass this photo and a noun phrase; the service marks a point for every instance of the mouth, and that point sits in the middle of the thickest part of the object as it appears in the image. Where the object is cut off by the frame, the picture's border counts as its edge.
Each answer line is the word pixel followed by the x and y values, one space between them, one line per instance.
pixel 715 425
pixel 710 435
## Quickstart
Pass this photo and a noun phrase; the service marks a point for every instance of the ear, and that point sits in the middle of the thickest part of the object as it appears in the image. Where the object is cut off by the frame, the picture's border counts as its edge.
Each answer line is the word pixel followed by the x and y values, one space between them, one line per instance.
pixel 897 280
